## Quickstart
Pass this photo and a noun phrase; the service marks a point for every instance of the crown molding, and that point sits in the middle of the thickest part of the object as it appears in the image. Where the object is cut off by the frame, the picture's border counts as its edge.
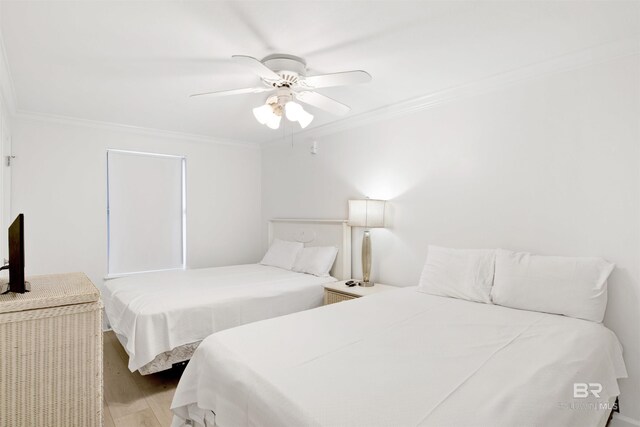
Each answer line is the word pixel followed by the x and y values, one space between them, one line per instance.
pixel 575 60
pixel 137 130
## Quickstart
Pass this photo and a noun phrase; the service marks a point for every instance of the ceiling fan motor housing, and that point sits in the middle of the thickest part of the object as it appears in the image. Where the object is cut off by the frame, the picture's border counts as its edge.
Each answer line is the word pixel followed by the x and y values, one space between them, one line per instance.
pixel 279 100
pixel 288 67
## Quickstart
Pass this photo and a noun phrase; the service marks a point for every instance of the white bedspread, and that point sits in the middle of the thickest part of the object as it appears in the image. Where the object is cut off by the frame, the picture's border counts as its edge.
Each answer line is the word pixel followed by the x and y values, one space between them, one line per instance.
pixel 157 312
pixel 402 358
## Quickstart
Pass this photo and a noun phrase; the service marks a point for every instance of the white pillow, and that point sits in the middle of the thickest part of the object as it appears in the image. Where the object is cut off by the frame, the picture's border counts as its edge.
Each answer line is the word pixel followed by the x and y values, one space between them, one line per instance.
pixel 282 254
pixel 458 273
pixel 575 287
pixel 316 260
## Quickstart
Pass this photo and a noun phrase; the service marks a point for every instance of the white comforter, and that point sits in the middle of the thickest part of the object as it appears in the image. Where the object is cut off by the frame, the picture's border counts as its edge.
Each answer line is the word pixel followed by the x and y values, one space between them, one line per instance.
pixel 157 312
pixel 402 358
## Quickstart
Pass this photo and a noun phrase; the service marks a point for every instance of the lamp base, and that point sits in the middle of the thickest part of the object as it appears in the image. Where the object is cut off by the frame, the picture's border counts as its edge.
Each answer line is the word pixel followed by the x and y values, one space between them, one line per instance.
pixel 366 284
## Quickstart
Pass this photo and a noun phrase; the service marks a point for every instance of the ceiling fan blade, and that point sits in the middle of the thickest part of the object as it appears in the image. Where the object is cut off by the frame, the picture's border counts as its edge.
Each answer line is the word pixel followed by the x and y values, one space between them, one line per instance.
pixel 323 102
pixel 234 91
pixel 258 67
pixel 336 79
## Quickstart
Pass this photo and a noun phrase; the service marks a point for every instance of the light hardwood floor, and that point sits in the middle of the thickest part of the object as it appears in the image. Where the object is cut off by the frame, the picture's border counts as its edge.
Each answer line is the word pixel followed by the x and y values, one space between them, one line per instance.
pixel 133 400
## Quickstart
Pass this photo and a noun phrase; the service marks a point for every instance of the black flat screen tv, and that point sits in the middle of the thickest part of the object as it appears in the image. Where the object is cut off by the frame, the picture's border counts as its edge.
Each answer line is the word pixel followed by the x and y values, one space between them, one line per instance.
pixel 16 256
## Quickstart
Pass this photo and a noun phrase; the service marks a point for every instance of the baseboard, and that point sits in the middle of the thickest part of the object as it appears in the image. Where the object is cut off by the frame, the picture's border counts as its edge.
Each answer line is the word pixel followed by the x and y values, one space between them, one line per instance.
pixel 622 421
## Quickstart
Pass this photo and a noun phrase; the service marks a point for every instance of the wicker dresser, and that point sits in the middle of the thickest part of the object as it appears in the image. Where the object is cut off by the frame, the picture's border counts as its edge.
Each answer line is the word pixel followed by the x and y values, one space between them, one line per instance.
pixel 51 354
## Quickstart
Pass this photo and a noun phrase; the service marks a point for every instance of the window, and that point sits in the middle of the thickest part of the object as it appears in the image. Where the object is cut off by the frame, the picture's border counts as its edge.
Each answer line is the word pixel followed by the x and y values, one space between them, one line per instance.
pixel 146 212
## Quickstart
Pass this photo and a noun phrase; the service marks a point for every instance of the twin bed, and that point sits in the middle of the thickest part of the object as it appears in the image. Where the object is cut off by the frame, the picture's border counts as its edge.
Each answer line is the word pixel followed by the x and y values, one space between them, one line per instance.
pixel 160 318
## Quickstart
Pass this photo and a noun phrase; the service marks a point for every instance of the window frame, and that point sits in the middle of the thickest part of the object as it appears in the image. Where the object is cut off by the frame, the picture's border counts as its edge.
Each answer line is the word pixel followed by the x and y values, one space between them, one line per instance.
pixel 183 160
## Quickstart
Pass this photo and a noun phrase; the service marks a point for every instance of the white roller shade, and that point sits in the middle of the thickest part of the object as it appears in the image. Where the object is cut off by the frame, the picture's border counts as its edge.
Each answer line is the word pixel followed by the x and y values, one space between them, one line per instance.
pixel 146 211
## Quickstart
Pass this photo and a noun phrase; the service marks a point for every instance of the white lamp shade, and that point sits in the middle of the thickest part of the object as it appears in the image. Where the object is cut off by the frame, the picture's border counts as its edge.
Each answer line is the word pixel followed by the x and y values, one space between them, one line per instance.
pixel 263 114
pixel 274 121
pixel 293 110
pixel 296 113
pixel 366 213
pixel 304 119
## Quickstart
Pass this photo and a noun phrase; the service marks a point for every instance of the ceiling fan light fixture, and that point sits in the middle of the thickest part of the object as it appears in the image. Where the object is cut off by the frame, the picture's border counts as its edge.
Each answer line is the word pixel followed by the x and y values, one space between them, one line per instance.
pixel 263 113
pixel 274 122
pixel 296 113
pixel 304 119
pixel 293 110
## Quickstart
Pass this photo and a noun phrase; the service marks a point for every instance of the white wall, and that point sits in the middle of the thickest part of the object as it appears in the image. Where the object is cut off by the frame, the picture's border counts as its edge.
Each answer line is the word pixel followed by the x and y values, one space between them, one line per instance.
pixel 59 183
pixel 5 182
pixel 551 165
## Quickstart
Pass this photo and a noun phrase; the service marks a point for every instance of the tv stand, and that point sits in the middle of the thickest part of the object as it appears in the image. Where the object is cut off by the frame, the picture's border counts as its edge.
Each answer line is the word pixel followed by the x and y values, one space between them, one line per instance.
pixel 4 287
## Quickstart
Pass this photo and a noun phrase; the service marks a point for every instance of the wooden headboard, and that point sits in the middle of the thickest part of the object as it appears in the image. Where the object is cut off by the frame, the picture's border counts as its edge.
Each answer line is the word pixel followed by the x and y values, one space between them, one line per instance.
pixel 318 232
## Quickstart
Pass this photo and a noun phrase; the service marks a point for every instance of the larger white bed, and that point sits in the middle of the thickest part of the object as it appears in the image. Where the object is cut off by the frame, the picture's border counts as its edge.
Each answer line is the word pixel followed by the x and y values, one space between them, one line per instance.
pixel 402 358
pixel 160 318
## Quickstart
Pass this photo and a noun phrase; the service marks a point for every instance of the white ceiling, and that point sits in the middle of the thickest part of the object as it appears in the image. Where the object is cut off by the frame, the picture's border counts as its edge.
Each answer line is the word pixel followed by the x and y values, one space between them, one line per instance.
pixel 136 62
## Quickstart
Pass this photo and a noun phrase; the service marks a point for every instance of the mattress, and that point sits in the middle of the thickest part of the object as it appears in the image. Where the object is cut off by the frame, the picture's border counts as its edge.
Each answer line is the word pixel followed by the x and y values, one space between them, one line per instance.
pixel 403 358
pixel 157 312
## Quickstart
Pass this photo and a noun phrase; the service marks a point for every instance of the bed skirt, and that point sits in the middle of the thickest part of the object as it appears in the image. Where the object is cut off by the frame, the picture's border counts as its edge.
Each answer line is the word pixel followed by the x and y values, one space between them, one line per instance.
pixel 166 360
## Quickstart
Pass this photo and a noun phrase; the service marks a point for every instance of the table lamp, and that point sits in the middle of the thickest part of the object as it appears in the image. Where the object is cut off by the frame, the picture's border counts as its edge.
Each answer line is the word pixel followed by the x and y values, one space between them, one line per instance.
pixel 367 213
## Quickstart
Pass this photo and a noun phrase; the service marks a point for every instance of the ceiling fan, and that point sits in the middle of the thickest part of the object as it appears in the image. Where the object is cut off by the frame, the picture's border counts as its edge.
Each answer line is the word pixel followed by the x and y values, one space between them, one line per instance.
pixel 286 76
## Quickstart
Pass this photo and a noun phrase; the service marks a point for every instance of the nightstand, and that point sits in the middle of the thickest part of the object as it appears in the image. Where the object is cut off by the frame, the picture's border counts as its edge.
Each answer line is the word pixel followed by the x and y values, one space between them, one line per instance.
pixel 338 291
